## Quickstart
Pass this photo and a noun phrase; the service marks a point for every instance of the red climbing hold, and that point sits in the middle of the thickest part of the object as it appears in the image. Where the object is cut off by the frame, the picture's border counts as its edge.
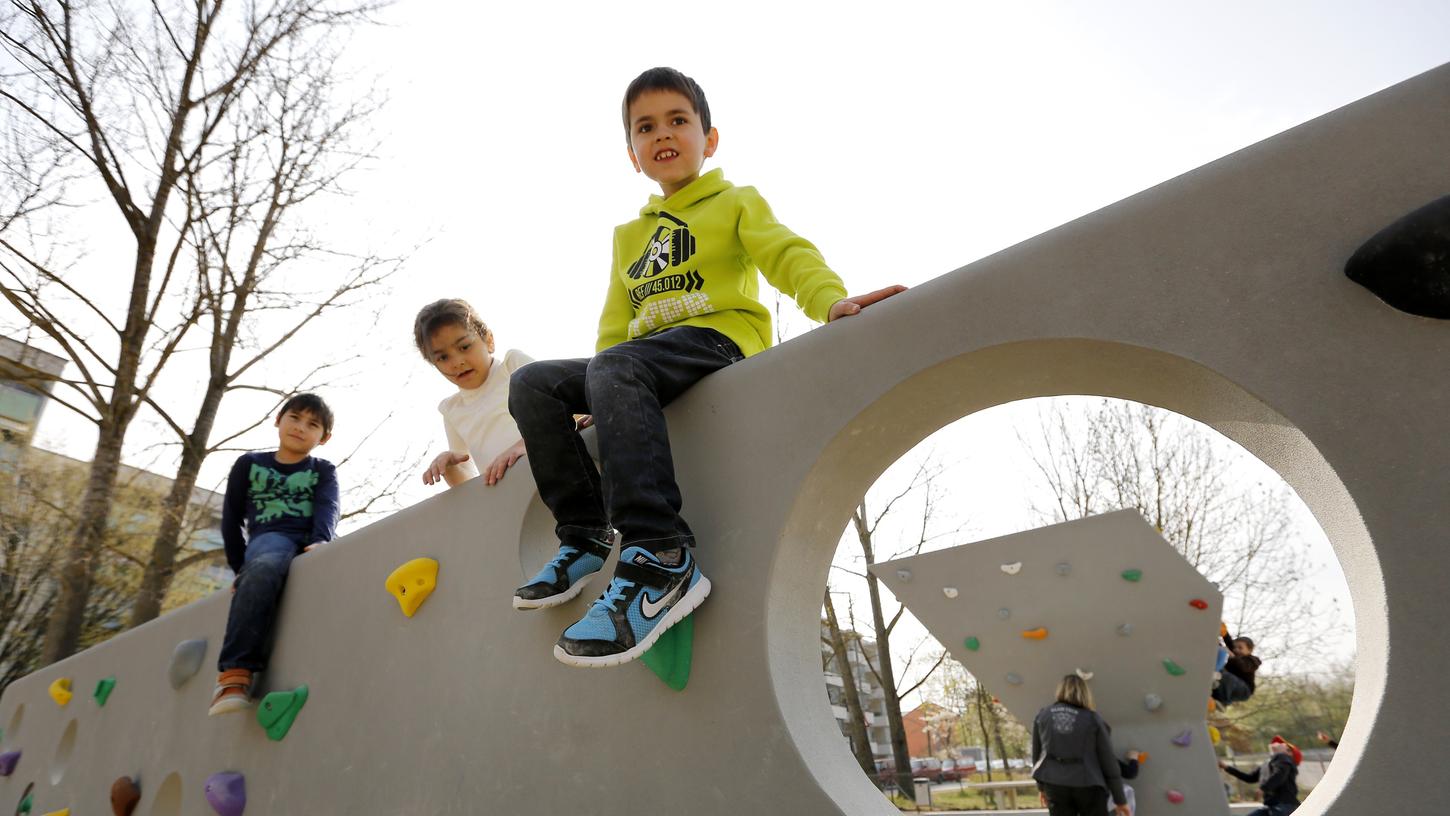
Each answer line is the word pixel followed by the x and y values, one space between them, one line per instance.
pixel 1198 603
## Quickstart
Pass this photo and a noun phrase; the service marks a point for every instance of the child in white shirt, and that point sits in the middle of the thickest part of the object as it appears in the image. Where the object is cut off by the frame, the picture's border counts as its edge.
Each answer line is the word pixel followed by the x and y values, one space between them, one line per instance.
pixel 450 335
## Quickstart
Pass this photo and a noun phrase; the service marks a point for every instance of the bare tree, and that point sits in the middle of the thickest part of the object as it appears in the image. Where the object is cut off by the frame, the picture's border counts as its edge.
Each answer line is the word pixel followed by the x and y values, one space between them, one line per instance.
pixel 150 106
pixel 855 713
pixel 866 525
pixel 1181 478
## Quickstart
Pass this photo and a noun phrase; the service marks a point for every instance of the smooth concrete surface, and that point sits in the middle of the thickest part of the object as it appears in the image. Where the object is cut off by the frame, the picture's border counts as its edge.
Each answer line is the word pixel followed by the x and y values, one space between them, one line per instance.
pixel 1068 579
pixel 1218 294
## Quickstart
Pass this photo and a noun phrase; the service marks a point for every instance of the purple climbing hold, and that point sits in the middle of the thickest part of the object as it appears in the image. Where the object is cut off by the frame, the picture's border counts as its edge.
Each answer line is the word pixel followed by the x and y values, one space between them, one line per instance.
pixel 1184 739
pixel 226 792
pixel 8 761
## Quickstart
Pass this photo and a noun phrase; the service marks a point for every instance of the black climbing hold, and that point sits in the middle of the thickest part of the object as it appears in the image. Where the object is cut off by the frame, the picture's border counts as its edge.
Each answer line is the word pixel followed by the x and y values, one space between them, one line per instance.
pixel 1407 264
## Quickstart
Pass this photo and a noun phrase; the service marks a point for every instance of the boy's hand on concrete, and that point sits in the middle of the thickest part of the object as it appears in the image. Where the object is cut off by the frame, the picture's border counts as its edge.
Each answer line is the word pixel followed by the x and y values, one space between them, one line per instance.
pixel 853 305
pixel 441 463
pixel 505 460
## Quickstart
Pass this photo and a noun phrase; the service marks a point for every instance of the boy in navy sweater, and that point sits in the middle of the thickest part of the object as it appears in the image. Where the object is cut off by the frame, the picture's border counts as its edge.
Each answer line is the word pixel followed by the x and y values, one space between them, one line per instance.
pixel 287 501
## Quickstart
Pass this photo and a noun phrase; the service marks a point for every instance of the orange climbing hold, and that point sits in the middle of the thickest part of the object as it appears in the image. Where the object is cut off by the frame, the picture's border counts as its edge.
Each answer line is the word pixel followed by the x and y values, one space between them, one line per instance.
pixel 1198 603
pixel 413 582
pixel 60 691
pixel 1040 633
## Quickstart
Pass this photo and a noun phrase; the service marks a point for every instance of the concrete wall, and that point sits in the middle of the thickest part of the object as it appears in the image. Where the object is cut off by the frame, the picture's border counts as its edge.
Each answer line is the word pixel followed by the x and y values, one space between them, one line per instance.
pixel 1068 579
pixel 1218 294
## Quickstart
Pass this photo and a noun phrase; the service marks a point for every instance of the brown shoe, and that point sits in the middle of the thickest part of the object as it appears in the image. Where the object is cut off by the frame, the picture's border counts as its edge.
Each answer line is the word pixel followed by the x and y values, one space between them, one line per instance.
pixel 233 692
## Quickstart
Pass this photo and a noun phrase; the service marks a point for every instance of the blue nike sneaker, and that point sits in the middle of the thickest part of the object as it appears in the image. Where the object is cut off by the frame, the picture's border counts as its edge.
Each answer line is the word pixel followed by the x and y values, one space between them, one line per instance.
pixel 644 599
pixel 563 578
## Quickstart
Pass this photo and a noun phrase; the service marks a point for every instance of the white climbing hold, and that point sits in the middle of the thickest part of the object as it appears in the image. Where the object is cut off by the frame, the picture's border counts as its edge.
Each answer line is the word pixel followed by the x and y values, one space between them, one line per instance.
pixel 1152 702
pixel 1086 675
pixel 1014 678
pixel 1004 613
pixel 904 574
pixel 950 592
pixel 1125 629
pixel 1012 568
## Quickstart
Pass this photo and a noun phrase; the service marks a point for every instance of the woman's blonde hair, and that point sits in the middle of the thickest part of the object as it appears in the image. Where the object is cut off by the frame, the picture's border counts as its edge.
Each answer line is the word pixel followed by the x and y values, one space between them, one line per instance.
pixel 1074 691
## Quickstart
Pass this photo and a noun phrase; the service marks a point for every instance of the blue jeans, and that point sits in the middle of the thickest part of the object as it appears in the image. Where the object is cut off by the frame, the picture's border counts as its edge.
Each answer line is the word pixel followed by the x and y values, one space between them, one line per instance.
pixel 248 642
pixel 625 388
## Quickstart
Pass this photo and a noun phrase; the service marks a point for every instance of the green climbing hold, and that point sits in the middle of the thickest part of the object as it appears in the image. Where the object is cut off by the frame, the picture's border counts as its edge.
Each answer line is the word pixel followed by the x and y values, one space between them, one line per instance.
pixel 26 804
pixel 1174 669
pixel 972 644
pixel 103 690
pixel 670 657
pixel 1133 575
pixel 278 711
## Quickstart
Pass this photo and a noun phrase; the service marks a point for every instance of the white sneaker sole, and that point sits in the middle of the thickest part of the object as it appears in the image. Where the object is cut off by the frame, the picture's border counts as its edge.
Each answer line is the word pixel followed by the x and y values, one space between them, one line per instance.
pixel 677 613
pixel 228 706
pixel 555 600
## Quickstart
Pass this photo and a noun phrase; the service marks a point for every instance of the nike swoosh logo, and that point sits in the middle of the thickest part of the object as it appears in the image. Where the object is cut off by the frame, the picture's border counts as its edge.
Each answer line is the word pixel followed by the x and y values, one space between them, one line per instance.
pixel 652 609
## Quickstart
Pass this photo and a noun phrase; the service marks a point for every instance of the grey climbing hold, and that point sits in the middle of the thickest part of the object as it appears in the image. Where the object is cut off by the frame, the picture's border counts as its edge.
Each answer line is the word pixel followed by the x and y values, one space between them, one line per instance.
pixel 186 661
pixel 1004 613
pixel 1064 569
pixel 950 592
pixel 1152 702
pixel 1013 678
pixel 1125 629
pixel 1407 264
pixel 904 574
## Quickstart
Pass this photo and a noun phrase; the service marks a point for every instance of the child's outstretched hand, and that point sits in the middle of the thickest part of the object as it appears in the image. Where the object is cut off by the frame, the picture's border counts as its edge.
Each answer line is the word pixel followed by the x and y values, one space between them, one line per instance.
pixel 444 461
pixel 853 305
pixel 505 460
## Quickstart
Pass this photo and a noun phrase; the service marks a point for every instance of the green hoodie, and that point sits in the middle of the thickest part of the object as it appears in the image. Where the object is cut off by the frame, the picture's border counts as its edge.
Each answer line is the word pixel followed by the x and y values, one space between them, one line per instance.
pixel 690 260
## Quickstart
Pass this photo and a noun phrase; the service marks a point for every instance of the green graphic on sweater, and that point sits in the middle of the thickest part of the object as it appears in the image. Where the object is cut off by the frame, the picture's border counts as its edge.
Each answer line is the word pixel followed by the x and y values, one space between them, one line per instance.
pixel 275 495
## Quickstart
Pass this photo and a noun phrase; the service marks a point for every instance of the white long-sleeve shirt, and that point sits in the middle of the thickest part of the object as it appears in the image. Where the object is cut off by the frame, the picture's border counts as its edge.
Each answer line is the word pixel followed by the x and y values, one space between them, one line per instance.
pixel 477 421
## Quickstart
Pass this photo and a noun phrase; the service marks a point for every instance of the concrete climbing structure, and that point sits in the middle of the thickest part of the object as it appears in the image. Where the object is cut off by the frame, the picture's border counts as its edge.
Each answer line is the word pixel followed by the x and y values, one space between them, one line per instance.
pixel 1219 294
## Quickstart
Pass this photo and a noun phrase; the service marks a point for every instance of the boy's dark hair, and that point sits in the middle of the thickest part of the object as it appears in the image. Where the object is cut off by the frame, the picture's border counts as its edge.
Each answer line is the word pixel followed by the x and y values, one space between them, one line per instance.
pixel 440 313
pixel 666 79
pixel 1249 642
pixel 311 404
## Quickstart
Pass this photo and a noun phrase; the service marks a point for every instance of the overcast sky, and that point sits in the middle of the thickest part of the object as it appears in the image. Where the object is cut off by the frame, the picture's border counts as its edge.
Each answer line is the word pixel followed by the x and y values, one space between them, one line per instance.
pixel 905 140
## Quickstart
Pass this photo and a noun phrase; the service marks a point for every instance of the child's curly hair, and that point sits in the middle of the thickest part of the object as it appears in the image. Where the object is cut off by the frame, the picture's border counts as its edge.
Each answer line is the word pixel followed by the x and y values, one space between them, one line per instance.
pixel 446 312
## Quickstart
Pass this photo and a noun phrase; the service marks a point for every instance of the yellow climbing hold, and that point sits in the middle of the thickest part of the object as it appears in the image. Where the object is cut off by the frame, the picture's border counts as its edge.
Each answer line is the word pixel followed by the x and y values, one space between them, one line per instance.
pixel 1040 633
pixel 60 691
pixel 1213 735
pixel 61 812
pixel 413 582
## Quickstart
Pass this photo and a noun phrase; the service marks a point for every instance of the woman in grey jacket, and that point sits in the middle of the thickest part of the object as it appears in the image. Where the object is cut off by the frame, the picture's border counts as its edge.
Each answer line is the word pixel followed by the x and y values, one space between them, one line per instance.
pixel 1072 758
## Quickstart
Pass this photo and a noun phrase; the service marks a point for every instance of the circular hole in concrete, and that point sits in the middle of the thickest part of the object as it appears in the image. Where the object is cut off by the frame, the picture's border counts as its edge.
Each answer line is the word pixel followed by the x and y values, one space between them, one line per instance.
pixel 1030 464
pixel 168 796
pixel 63 753
pixel 16 717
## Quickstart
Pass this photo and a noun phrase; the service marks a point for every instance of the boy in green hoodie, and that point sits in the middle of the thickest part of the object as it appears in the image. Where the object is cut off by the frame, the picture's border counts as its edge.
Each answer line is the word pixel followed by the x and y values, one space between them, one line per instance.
pixel 683 302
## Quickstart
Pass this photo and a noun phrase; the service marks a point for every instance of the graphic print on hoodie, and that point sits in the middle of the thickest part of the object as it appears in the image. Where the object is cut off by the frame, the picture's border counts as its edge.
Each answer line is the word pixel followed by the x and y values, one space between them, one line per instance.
pixel 670 247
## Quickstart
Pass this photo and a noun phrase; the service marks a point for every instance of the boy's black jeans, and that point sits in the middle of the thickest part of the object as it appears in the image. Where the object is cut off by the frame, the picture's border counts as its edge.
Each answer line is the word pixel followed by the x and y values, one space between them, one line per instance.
pixel 625 388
